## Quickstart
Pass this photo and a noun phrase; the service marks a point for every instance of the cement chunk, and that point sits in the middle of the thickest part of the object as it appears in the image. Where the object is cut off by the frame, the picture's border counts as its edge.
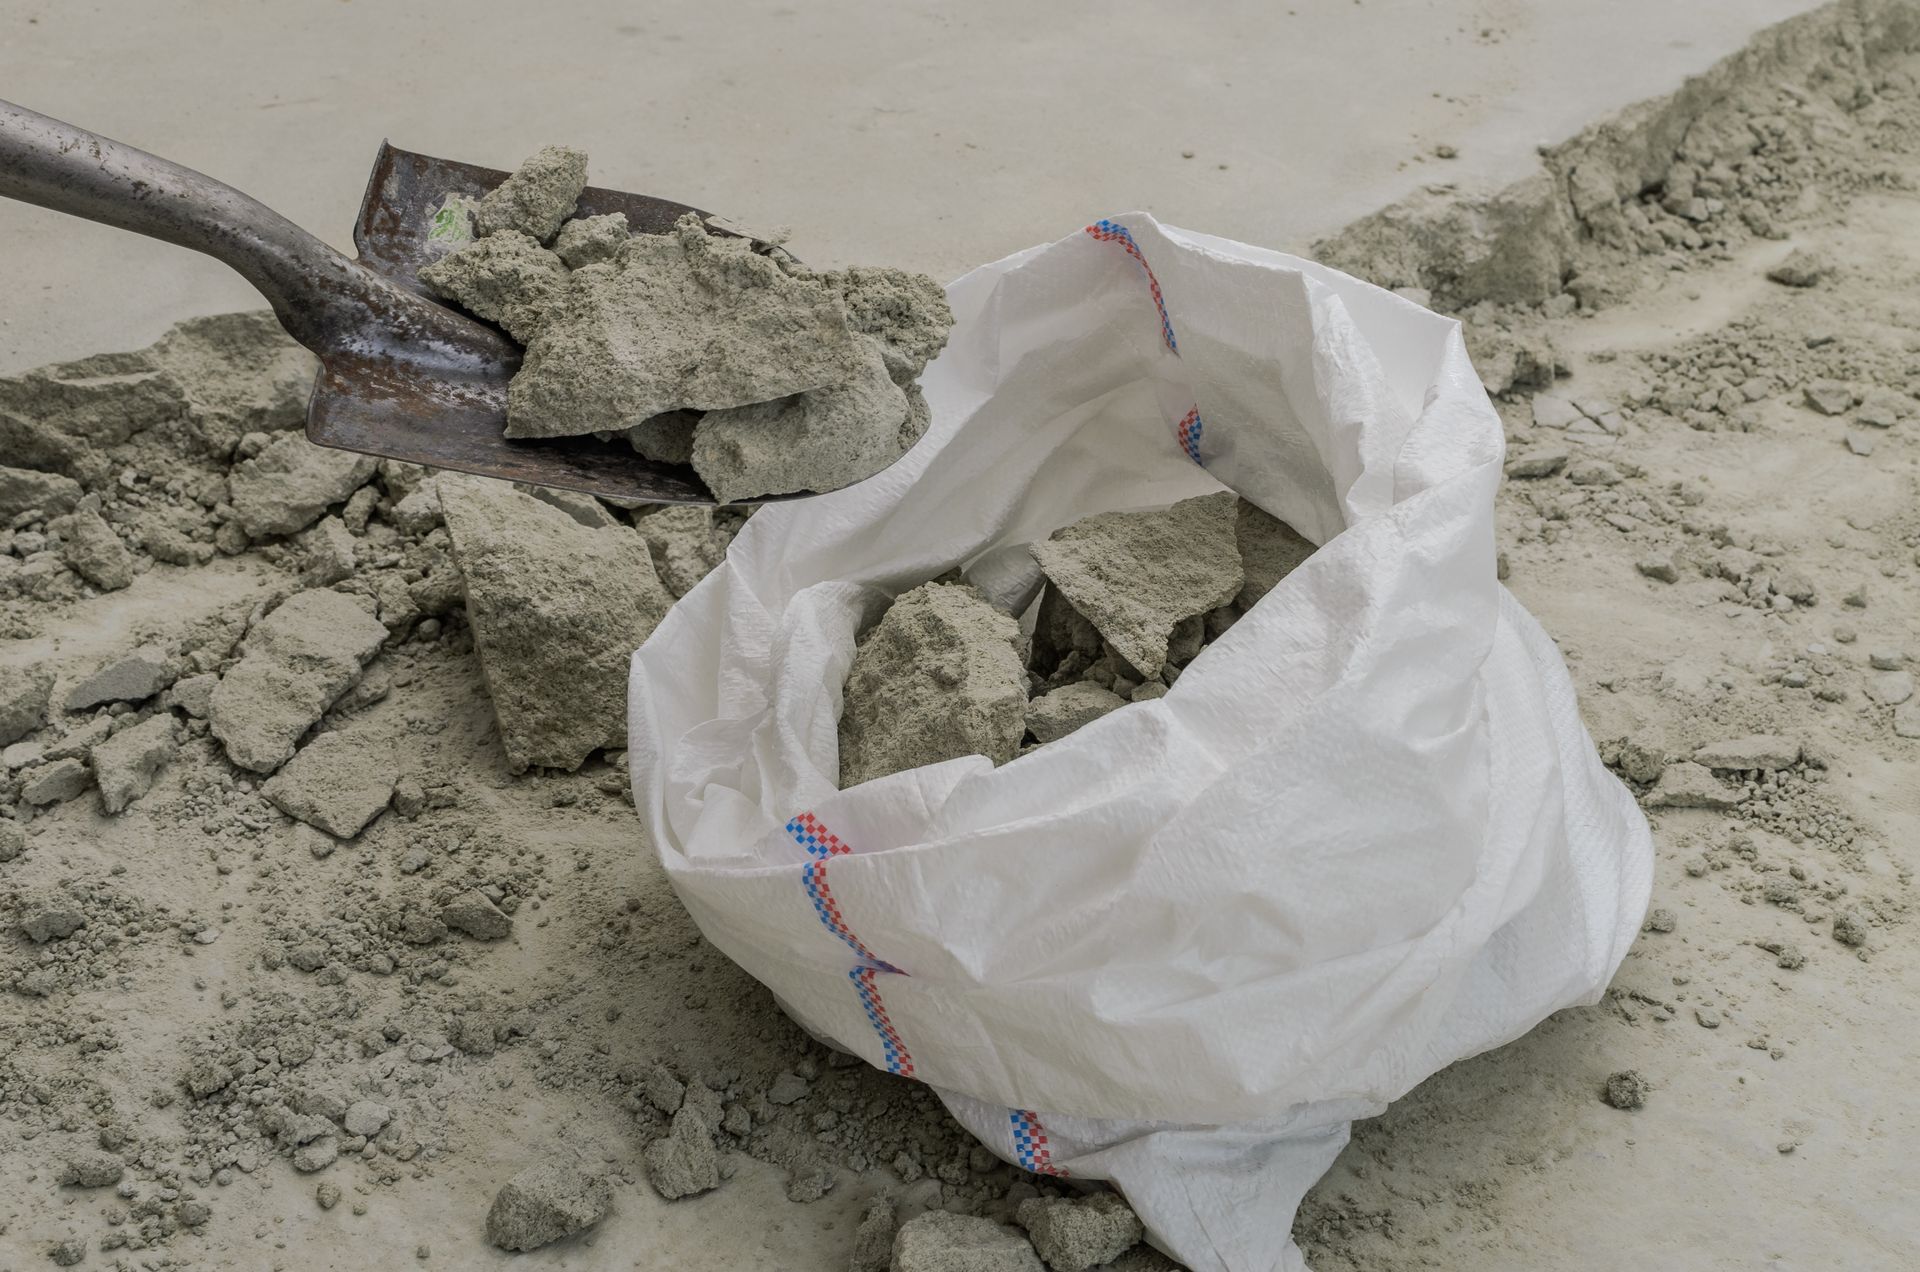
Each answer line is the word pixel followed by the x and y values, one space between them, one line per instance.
pixel 337 783
pixel 683 1162
pixel 557 609
pixel 1686 785
pixel 873 1239
pixel 50 918
pixel 473 913
pixel 507 278
pixel 1055 714
pixel 91 549
pixel 291 482
pixel 1270 549
pixel 1135 575
pixel 667 438
pixel 23 701
pixel 126 763
pixel 542 1204
pixel 55 783
pixel 678 320
pixel 686 544
pixel 938 678
pixel 538 196
pixel 24 489
pixel 134 678
pixel 1074 1235
pixel 821 440
pixel 590 240
pixel 298 660
pixel 91 1168
pixel 938 1241
pixel 1756 751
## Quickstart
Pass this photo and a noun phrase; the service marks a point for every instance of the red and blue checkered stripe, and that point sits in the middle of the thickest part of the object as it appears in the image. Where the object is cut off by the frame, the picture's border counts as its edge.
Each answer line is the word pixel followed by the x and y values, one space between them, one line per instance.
pixel 1105 231
pixel 823 845
pixel 1030 1145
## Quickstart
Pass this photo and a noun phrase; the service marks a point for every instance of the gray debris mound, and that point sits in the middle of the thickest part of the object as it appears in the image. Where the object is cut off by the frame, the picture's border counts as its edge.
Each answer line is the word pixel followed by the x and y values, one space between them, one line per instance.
pixel 538 196
pixel 337 783
pixel 679 320
pixel 1074 1235
pixel 683 1162
pixel 126 763
pixel 507 278
pixel 542 1204
pixel 290 482
pixel 1136 575
pixel 937 678
pixel 298 660
pixel 557 609
pixel 938 1241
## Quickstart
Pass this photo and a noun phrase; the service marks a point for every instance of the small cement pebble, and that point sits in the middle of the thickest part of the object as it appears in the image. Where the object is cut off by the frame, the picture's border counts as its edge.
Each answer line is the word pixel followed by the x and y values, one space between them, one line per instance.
pixel 1849 929
pixel 1625 1089
pixel 327 1194
pixel 1706 1017
pixel 67 1253
pixel 1660 921
pixel 475 914
pixel 787 1088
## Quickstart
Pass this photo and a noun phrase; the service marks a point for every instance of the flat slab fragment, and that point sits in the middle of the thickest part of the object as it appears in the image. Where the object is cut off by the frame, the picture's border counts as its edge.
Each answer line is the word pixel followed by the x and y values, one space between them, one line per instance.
pixel 507 278
pixel 291 482
pixel 938 1241
pixel 298 659
pixel 126 763
pixel 1136 575
pixel 557 610
pixel 134 678
pixel 337 783
pixel 542 1204
pixel 1756 751
pixel 938 678
pixel 1059 712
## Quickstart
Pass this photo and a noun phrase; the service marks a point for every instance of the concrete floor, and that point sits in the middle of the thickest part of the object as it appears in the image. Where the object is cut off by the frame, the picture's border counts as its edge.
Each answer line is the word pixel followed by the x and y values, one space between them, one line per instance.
pixel 913 133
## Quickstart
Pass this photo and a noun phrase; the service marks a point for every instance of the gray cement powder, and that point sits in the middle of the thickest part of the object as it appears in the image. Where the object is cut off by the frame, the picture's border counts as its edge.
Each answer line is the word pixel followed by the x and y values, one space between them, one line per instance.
pixel 806 380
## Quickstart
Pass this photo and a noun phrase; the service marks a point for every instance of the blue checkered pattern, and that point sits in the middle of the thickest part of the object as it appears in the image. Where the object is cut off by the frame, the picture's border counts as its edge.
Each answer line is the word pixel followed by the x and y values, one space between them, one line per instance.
pixel 1031 1147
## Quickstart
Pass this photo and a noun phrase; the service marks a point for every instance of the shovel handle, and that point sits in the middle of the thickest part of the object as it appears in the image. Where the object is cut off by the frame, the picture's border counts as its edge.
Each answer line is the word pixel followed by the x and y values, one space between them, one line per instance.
pixel 315 291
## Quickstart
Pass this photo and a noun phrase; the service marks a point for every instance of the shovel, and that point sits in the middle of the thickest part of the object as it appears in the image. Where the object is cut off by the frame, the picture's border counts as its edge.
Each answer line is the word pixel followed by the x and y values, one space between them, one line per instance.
pixel 401 375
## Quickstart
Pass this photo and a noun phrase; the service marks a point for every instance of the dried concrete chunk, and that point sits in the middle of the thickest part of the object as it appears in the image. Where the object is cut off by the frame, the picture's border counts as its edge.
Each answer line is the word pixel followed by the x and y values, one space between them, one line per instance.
pixel 1829 397
pixel 1270 549
pixel 134 678
pixel 873 1239
pixel 507 278
pixel 298 660
pixel 27 489
pixel 337 783
pixel 365 1117
pixel 939 1241
pixel 542 1204
pixel 667 438
pixel 937 678
pixel 1756 751
pixel 1541 461
pixel 1136 575
pixel 291 482
pixel 1801 269
pixel 91 549
pixel 1686 785
pixel 55 783
pixel 49 918
pixel 13 839
pixel 316 1155
pixel 1074 1235
pixel 1059 712
pixel 678 320
pixel 906 313
pixel 683 1161
pixel 475 914
pixel 126 763
pixel 820 440
pixel 327 553
pixel 91 1168
pixel 23 701
pixel 557 609
pixel 590 240
pixel 193 695
pixel 686 542
pixel 538 196
pixel 1891 688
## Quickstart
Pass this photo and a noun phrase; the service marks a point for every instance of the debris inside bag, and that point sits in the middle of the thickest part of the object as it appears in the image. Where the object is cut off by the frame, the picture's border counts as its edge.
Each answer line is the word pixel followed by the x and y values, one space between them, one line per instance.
pixel 768 377
pixel 1130 599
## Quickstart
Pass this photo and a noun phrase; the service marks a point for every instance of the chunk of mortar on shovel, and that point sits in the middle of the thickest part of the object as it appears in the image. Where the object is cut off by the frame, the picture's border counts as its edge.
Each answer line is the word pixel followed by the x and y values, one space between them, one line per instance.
pixel 401 376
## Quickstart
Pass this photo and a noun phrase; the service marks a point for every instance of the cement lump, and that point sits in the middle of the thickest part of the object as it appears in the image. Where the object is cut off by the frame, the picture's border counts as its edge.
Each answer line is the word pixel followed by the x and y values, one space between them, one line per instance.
pixel 687 541
pixel 337 783
pixel 125 764
pixel 288 485
pixel 939 677
pixel 1270 549
pixel 683 1162
pixel 537 198
pixel 1689 785
pixel 544 1203
pixel 678 320
pixel 557 609
pixel 873 1239
pixel 1135 575
pixel 1058 712
pixel 474 913
pixel 938 1241
pixel 590 240
pixel 28 490
pixel 507 278
pixel 298 660
pixel 92 550
pixel 1764 751
pixel 23 701
pixel 1075 1235
pixel 667 438
pixel 134 678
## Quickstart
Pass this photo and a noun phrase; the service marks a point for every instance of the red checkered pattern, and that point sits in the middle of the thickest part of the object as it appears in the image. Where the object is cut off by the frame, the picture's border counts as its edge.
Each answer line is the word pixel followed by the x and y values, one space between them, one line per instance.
pixel 815 838
pixel 1030 1143
pixel 891 1047
pixel 1113 232
pixel 1188 430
